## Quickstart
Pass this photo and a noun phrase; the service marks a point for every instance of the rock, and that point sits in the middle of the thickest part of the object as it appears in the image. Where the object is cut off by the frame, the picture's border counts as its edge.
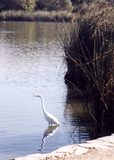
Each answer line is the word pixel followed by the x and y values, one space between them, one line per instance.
pixel 101 148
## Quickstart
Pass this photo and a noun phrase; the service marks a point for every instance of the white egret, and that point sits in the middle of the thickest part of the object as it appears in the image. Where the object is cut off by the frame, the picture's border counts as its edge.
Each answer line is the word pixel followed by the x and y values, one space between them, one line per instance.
pixel 49 117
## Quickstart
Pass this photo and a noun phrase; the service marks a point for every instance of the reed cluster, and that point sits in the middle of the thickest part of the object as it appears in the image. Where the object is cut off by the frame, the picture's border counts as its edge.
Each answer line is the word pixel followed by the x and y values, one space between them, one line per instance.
pixel 89 49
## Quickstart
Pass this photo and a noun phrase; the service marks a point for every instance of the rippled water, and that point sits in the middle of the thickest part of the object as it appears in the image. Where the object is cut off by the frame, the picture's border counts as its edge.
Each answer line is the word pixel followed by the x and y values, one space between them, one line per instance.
pixel 32 62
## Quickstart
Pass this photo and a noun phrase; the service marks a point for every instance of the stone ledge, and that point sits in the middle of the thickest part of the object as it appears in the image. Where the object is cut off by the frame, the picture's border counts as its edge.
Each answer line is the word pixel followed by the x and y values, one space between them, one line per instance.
pixel 101 148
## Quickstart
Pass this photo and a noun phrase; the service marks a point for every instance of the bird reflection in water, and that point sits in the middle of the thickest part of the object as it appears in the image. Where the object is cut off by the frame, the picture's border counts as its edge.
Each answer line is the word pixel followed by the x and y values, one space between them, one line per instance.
pixel 51 130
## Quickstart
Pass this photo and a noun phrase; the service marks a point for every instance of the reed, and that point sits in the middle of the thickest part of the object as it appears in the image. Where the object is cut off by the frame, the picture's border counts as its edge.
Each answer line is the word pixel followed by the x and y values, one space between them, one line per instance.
pixel 89 49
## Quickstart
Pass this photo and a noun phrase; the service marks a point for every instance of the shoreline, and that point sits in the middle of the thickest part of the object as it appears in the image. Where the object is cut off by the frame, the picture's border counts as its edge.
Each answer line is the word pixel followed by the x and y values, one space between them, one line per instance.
pixel 39 16
pixel 100 148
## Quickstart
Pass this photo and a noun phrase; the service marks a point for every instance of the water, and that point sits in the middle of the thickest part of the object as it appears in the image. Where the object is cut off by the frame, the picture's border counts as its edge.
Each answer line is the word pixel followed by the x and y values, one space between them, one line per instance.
pixel 32 62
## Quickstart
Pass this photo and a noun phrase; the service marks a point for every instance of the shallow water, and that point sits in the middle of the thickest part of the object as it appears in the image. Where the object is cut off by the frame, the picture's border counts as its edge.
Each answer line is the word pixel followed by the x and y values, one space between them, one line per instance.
pixel 32 62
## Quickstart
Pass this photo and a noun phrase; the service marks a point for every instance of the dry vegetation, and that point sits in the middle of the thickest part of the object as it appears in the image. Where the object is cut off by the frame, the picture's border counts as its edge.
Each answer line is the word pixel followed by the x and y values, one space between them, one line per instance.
pixel 33 10
pixel 44 16
pixel 89 49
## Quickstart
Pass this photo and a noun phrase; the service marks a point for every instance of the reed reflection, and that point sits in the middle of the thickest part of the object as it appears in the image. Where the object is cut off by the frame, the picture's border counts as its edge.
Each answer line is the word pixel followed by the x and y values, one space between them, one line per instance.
pixel 78 120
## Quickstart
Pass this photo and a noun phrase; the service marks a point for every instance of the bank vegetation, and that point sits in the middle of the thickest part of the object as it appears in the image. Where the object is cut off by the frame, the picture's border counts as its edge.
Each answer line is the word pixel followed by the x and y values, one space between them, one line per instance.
pixel 89 50
pixel 36 10
pixel 42 10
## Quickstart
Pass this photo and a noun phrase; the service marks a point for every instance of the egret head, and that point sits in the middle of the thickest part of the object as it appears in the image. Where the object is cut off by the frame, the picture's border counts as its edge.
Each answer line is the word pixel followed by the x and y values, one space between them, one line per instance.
pixel 37 95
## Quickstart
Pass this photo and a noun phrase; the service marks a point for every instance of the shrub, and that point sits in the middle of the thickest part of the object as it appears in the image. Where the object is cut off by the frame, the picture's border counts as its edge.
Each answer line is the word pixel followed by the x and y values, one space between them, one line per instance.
pixel 28 5
pixel 11 4
pixel 54 4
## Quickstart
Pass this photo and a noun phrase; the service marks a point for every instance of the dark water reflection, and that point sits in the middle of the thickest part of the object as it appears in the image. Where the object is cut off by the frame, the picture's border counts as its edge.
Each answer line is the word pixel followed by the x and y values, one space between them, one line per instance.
pixel 31 61
pixel 79 120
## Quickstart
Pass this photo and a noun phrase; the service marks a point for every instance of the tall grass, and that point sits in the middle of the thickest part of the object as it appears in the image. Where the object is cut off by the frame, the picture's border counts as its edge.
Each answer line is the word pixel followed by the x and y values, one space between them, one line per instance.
pixel 89 49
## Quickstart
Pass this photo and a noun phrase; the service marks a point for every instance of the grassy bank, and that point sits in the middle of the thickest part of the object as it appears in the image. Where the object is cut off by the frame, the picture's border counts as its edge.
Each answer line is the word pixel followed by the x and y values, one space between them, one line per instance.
pixel 89 49
pixel 43 16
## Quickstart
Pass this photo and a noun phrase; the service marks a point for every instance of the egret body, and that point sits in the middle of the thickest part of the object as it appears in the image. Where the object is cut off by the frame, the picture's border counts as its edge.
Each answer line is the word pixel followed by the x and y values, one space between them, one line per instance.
pixel 49 117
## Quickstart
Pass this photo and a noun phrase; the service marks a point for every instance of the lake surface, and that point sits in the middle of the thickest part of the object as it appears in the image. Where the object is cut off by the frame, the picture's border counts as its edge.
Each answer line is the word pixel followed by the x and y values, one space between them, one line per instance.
pixel 32 62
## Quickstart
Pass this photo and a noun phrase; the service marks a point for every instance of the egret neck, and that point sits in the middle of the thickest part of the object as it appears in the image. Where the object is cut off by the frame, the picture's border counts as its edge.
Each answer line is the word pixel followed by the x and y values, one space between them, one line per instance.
pixel 42 103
